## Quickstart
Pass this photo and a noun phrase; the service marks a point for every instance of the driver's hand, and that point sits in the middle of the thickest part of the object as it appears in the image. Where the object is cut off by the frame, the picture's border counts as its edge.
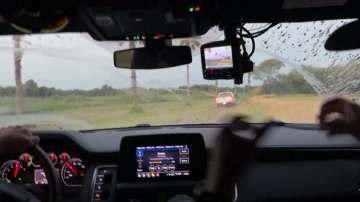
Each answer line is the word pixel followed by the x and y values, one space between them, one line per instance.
pixel 16 139
pixel 339 115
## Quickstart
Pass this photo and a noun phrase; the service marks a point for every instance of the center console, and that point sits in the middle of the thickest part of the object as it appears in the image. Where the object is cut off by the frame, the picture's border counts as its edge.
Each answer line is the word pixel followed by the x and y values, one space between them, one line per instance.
pixel 152 167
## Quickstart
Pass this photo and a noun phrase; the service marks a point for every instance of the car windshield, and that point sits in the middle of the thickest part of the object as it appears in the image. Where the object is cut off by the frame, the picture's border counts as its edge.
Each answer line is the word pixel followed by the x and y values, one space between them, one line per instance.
pixel 68 81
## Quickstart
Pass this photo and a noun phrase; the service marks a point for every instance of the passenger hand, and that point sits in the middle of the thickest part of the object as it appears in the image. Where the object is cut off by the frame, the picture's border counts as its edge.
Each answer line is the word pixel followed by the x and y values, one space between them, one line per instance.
pixel 339 115
pixel 234 147
pixel 16 140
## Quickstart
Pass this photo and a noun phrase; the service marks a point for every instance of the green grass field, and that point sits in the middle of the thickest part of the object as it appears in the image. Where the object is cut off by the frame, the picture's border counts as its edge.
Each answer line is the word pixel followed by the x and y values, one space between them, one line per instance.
pixel 119 111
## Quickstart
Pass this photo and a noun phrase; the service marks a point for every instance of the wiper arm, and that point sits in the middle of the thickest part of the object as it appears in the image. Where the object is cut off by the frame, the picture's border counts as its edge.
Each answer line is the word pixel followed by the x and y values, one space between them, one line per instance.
pixel 142 125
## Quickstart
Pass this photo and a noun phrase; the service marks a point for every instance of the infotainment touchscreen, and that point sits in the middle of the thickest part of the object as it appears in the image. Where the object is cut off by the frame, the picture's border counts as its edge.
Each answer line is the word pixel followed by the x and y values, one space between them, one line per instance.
pixel 161 158
pixel 162 161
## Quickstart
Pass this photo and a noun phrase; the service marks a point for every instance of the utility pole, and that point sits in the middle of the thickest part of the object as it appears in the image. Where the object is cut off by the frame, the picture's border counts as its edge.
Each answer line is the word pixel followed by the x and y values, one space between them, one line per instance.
pixel 17 62
pixel 193 44
pixel 216 87
pixel 133 79
pixel 235 90
pixel 188 89
pixel 249 83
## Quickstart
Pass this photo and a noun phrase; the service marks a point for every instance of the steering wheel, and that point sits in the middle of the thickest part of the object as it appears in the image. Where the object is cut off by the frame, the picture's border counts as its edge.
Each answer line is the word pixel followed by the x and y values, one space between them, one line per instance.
pixel 17 193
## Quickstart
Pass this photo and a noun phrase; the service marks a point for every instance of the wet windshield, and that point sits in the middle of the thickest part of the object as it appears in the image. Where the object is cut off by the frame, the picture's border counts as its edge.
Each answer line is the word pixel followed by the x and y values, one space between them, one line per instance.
pixel 68 81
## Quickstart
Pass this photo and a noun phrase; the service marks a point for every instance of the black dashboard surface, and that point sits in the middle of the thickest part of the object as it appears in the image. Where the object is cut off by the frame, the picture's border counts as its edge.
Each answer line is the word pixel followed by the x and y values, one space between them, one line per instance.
pixel 288 136
pixel 295 162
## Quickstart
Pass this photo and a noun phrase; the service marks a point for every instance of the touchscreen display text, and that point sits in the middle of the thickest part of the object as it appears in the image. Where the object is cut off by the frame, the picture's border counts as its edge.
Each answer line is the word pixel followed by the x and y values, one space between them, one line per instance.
pixel 163 161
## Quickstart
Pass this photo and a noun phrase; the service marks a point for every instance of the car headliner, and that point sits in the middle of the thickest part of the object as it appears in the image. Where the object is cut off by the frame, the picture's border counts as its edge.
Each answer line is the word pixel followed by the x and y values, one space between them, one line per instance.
pixel 220 12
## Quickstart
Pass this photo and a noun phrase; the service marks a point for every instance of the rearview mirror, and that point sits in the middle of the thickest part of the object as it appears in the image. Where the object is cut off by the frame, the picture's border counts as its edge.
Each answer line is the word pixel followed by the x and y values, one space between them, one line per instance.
pixel 345 37
pixel 153 58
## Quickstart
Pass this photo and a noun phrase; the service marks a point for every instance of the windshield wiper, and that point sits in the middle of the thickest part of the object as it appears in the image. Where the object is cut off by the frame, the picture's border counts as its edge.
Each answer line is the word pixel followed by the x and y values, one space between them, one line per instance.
pixel 142 125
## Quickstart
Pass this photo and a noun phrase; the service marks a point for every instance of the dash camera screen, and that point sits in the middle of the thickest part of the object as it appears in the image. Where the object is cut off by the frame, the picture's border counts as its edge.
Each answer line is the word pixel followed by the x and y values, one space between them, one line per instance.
pixel 218 57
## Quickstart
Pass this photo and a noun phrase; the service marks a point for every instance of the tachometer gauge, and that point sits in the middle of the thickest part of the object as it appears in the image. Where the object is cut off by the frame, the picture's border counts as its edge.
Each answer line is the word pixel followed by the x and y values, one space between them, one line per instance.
pixel 73 172
pixel 13 171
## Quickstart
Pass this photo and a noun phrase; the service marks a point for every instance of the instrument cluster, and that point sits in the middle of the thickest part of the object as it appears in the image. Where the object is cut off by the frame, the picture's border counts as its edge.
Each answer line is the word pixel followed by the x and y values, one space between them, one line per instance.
pixel 26 170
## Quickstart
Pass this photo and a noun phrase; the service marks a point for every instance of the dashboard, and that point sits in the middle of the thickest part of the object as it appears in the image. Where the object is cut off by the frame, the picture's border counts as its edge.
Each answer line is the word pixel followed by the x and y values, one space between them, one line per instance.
pixel 294 162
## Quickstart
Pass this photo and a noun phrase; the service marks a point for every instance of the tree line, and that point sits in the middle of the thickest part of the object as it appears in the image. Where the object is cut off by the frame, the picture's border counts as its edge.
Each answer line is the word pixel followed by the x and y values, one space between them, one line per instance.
pixel 272 81
pixel 32 89
pixel 291 83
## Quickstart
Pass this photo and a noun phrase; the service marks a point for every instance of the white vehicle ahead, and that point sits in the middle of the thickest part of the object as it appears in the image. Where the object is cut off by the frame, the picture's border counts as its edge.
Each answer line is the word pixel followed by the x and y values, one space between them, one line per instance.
pixel 225 99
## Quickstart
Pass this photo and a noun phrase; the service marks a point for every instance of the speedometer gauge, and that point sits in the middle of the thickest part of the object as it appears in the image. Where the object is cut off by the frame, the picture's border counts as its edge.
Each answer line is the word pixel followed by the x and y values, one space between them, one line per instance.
pixel 13 172
pixel 73 172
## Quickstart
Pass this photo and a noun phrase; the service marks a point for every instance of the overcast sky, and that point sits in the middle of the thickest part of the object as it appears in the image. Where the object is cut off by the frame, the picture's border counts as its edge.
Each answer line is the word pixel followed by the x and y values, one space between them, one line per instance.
pixel 75 61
